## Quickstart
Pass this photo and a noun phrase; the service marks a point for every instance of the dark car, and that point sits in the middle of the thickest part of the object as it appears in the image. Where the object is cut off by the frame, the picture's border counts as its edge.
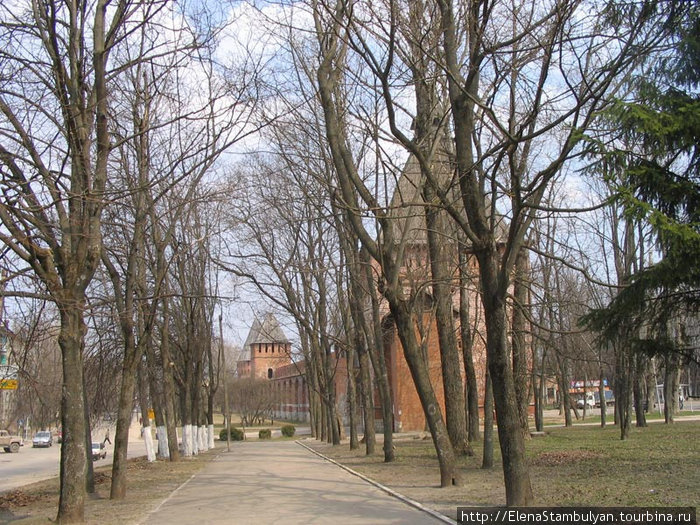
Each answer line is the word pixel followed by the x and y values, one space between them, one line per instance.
pixel 98 451
pixel 42 439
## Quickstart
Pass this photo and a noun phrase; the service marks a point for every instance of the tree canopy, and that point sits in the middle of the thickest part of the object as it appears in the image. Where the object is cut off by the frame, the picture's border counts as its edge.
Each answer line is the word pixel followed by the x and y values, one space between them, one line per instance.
pixel 653 164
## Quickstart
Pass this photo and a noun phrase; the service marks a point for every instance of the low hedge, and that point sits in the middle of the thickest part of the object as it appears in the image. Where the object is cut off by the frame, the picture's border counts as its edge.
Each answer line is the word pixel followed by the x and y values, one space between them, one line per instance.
pixel 236 434
pixel 265 433
pixel 288 430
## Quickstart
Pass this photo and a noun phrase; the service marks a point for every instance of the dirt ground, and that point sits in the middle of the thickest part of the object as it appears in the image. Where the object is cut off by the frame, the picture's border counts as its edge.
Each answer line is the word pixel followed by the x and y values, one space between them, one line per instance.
pixel 148 484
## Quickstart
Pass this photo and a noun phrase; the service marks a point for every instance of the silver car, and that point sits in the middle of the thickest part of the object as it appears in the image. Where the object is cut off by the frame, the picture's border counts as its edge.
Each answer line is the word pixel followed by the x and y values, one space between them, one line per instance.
pixel 42 439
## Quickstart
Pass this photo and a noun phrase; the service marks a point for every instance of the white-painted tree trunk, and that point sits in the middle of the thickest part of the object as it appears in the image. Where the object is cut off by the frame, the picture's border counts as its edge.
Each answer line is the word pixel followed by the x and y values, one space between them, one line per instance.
pixel 187 441
pixel 148 440
pixel 194 439
pixel 210 434
pixel 162 435
pixel 202 435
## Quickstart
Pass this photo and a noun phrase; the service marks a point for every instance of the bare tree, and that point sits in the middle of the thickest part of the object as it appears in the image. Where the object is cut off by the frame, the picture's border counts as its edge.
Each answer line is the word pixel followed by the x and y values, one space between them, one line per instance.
pixel 253 398
pixel 55 98
pixel 387 250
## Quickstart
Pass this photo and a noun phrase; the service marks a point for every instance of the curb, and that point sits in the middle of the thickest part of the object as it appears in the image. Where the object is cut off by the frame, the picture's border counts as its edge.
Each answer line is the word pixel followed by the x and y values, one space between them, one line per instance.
pixel 383 488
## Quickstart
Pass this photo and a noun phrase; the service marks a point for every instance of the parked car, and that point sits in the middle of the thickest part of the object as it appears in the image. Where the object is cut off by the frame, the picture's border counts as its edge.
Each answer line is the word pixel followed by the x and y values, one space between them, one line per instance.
pixel 9 442
pixel 42 439
pixel 98 451
pixel 590 401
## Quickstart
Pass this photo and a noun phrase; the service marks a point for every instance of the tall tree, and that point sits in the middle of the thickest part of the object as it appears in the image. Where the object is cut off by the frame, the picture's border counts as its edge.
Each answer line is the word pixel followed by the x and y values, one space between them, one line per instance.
pixel 522 79
pixel 387 250
pixel 54 151
pixel 500 111
pixel 651 157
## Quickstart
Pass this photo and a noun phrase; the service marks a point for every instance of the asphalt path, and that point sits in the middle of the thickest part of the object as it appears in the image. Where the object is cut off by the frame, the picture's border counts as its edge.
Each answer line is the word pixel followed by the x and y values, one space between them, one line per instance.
pixel 282 482
pixel 36 464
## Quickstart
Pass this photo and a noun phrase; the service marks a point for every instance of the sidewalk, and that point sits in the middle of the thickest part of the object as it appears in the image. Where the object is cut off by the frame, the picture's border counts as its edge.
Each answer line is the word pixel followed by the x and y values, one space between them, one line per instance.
pixel 281 482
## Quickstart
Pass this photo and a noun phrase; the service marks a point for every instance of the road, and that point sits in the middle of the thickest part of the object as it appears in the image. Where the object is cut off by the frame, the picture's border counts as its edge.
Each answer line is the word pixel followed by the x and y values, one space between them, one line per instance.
pixel 35 464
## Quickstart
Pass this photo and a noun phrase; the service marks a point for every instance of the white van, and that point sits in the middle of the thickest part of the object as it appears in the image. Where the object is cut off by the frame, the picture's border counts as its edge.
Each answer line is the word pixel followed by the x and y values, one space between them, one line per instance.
pixel 590 401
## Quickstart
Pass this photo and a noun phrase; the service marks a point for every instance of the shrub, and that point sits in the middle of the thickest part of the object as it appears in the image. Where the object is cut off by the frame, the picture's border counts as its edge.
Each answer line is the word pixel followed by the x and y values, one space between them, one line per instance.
pixel 288 430
pixel 265 433
pixel 236 434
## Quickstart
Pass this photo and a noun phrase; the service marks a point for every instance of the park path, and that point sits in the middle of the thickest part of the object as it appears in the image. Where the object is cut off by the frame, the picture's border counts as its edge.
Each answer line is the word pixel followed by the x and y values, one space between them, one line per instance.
pixel 260 482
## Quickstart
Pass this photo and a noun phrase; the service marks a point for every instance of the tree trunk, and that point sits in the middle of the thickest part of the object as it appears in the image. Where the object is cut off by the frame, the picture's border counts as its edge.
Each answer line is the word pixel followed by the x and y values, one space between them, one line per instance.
pixel 421 379
pixel 455 411
pixel 90 474
pixel 155 388
pixel 121 437
pixel 640 366
pixel 169 386
pixel 520 335
pixel 146 420
pixel 602 399
pixel 650 380
pixel 487 460
pixel 361 340
pixel 511 440
pixel 353 343
pixel 375 347
pixel 671 381
pixel 472 390
pixel 623 393
pixel 73 463
pixel 540 392
pixel 352 395
pixel 370 437
pixel 566 401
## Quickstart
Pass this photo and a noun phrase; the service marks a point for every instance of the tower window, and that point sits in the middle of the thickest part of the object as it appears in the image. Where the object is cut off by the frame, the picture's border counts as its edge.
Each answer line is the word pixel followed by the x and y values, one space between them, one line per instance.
pixel 269 373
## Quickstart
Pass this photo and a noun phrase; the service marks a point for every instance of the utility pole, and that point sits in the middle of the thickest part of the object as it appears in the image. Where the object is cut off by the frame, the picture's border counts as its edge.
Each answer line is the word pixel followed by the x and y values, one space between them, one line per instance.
pixel 227 413
pixel 3 350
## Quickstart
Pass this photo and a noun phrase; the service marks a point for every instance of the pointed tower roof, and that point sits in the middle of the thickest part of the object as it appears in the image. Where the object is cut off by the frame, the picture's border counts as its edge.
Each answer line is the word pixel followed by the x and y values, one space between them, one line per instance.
pixel 407 203
pixel 267 331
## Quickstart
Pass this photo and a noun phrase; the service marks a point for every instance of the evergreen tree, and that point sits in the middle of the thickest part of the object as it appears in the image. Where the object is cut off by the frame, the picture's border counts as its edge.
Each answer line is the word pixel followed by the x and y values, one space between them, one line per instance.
pixel 654 167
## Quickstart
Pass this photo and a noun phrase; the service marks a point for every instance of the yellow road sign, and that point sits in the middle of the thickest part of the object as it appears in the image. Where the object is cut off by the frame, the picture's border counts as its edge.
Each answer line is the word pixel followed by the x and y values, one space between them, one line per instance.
pixel 8 384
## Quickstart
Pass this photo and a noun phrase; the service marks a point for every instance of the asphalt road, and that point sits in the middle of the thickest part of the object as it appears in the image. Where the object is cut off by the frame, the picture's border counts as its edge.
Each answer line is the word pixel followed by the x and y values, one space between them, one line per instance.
pixel 36 464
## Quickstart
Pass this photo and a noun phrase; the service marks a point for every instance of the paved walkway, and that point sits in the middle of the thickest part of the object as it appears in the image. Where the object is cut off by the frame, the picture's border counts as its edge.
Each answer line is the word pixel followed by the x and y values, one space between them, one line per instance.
pixel 281 482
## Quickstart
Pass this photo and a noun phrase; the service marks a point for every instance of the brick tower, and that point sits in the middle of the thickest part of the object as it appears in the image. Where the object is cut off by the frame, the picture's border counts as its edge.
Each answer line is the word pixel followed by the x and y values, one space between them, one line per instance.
pixel 268 349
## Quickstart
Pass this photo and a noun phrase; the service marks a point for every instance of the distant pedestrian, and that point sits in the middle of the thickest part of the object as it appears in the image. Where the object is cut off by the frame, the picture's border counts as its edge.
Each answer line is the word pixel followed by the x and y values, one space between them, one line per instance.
pixel 107 440
pixel 680 401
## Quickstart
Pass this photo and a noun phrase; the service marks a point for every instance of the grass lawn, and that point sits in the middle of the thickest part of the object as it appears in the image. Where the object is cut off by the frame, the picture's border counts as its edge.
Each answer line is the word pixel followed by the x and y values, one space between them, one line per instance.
pixel 584 465
pixel 593 417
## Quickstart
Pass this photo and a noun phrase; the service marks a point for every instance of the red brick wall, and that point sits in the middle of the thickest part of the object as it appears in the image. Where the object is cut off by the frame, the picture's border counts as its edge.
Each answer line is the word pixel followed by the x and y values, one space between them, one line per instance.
pixel 268 355
pixel 409 415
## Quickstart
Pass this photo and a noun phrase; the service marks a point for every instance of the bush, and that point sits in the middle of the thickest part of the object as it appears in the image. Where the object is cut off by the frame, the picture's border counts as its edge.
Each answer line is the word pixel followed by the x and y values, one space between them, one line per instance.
pixel 265 433
pixel 288 430
pixel 236 434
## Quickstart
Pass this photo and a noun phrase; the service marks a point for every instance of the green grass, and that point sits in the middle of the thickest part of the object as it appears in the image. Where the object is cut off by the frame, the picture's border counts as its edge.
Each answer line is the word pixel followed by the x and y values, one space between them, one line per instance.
pixel 593 416
pixel 657 465
pixel 583 465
